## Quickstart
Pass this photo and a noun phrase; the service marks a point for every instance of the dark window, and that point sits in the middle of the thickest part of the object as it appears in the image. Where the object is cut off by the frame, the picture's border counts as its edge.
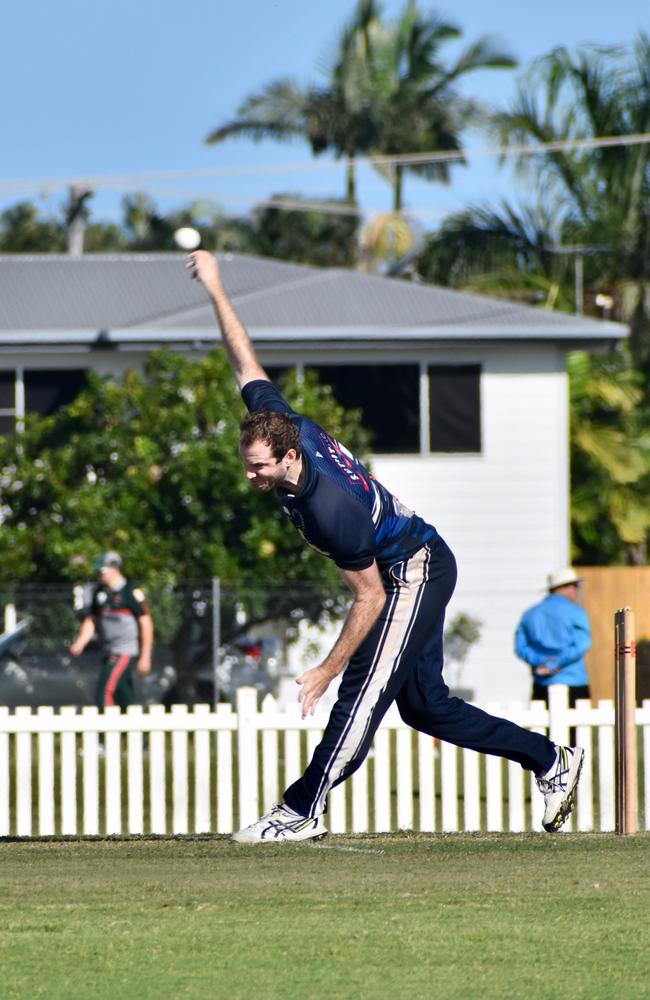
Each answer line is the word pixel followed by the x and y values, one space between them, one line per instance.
pixel 455 408
pixel 7 390
pixel 7 425
pixel 387 395
pixel 47 391
pixel 275 372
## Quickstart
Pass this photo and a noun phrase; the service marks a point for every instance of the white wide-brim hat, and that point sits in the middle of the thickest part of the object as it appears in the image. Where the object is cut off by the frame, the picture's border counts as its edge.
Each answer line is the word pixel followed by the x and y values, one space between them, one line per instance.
pixel 562 578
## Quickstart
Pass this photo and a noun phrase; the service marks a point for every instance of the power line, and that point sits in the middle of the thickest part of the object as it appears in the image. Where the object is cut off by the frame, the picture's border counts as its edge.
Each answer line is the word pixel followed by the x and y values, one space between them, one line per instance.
pixel 298 204
pixel 122 181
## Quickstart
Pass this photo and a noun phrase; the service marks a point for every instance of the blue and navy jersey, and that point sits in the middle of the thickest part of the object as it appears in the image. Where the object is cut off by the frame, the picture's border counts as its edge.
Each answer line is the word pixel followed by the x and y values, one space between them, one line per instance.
pixel 340 509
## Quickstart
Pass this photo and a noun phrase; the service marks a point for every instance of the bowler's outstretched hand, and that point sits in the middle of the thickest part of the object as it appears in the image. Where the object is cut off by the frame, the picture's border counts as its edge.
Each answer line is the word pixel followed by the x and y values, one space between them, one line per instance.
pixel 314 683
pixel 204 268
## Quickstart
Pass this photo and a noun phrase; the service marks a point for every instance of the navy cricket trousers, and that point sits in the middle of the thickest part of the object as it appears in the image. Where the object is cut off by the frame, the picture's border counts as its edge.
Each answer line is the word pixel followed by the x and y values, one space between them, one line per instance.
pixel 401 660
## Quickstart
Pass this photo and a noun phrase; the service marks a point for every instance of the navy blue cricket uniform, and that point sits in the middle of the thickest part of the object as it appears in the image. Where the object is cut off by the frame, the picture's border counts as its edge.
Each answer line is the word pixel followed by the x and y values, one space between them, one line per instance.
pixel 354 520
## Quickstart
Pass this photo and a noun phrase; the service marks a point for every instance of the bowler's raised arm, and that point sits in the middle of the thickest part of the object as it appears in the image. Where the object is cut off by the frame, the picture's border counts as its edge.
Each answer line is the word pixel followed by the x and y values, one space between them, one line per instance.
pixel 241 353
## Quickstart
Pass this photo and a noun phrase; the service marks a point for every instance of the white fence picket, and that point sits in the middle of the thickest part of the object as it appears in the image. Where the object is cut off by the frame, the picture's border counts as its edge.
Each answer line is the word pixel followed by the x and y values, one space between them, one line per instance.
pixel 471 790
pixel 90 750
pixel 5 779
pixel 584 800
pixel 113 772
pixel 277 738
pixel 360 799
pixel 46 774
pixel 558 706
pixel 157 773
pixel 494 791
pixel 270 760
pixel 606 775
pixel 202 812
pixel 337 815
pixel 247 756
pixel 382 781
pixel 427 752
pixel 291 756
pixel 449 783
pixel 404 779
pixel 135 771
pixel 225 799
pixel 68 775
pixel 538 721
pixel 180 798
pixel 516 810
pixel 23 777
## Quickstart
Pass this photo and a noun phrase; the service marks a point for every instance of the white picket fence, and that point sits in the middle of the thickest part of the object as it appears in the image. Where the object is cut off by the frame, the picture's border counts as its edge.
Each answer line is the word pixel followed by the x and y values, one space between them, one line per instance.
pixel 203 770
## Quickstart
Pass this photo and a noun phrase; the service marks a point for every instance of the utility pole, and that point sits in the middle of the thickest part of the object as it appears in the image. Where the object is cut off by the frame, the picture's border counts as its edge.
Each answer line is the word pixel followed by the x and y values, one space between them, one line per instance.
pixel 580 283
pixel 75 220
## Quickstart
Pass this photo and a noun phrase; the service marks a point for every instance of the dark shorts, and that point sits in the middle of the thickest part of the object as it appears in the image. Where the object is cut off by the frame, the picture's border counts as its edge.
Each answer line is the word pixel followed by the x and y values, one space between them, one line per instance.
pixel 540 693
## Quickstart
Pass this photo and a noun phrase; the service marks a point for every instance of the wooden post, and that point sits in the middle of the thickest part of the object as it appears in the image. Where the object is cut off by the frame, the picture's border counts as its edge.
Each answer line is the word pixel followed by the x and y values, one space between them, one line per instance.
pixel 625 728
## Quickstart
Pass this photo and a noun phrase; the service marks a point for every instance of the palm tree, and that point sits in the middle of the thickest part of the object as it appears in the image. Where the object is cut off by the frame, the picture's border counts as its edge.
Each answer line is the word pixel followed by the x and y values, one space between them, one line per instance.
pixel 415 97
pixel 503 252
pixel 598 198
pixel 387 91
pixel 332 117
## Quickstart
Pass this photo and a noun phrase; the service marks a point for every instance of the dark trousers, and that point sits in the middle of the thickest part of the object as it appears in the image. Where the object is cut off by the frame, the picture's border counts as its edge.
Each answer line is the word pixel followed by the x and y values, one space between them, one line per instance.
pixel 401 660
pixel 115 681
pixel 540 693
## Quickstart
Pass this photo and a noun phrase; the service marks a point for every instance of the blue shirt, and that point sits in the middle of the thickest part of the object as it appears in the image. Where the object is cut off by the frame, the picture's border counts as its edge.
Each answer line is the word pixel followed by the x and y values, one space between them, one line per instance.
pixel 555 631
pixel 340 509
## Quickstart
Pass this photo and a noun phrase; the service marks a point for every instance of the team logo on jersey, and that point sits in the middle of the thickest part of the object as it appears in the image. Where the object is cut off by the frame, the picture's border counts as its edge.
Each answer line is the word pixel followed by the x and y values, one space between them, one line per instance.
pixel 138 594
pixel 101 597
pixel 345 461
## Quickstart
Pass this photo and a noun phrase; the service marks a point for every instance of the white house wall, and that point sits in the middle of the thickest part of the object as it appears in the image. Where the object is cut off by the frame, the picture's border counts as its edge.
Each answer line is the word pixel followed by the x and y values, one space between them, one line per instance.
pixel 505 512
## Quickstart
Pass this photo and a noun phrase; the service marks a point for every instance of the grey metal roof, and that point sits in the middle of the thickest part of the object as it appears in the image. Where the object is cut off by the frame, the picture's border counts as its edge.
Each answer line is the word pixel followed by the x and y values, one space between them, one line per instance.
pixel 146 298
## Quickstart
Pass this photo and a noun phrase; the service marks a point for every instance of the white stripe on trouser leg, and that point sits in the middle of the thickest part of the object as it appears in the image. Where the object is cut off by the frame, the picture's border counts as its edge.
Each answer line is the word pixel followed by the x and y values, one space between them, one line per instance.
pixel 390 648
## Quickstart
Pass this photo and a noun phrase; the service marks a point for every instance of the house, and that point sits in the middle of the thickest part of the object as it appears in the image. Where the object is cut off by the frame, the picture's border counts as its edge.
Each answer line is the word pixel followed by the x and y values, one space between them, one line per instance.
pixel 466 395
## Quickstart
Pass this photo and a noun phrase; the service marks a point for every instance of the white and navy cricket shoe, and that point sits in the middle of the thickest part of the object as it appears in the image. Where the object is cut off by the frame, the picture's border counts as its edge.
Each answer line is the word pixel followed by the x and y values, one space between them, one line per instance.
pixel 557 785
pixel 280 826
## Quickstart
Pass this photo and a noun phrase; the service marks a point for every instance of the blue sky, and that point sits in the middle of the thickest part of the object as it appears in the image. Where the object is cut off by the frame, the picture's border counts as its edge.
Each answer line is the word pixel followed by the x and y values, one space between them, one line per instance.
pixel 122 88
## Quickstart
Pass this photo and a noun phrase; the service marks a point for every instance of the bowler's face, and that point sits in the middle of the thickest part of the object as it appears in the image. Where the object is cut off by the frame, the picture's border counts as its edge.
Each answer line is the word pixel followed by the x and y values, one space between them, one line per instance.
pixel 263 471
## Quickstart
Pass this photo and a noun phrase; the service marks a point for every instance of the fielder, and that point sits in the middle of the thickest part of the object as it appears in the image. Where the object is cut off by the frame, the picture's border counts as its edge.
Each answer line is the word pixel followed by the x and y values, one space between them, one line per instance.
pixel 401 574
pixel 120 614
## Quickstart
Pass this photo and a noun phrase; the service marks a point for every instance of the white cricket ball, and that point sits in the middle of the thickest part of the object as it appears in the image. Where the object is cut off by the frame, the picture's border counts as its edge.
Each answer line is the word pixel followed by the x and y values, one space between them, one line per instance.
pixel 187 238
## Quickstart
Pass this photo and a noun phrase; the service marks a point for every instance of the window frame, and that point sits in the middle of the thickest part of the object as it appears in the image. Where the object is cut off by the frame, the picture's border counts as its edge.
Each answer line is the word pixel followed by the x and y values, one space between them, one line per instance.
pixel 421 361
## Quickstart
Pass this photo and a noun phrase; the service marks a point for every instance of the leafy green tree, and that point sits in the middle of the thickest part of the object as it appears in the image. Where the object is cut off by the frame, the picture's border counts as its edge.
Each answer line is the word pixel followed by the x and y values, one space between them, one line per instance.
pixel 610 460
pixel 307 235
pixel 24 230
pixel 504 253
pixel 150 467
pixel 147 229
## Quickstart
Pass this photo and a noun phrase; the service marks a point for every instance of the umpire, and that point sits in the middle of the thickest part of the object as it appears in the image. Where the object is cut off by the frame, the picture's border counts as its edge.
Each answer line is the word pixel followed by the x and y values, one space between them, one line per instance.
pixel 120 615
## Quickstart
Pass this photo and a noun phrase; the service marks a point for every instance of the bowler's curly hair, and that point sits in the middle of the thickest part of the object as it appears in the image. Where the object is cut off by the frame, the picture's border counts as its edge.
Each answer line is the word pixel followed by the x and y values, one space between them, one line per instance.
pixel 274 428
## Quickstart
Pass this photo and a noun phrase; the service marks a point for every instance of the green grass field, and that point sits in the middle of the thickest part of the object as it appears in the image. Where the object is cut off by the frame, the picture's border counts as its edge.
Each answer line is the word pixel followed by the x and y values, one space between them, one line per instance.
pixel 531 916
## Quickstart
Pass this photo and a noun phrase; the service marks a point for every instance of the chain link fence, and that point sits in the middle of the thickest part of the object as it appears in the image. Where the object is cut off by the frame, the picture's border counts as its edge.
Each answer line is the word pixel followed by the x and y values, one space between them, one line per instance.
pixel 211 637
